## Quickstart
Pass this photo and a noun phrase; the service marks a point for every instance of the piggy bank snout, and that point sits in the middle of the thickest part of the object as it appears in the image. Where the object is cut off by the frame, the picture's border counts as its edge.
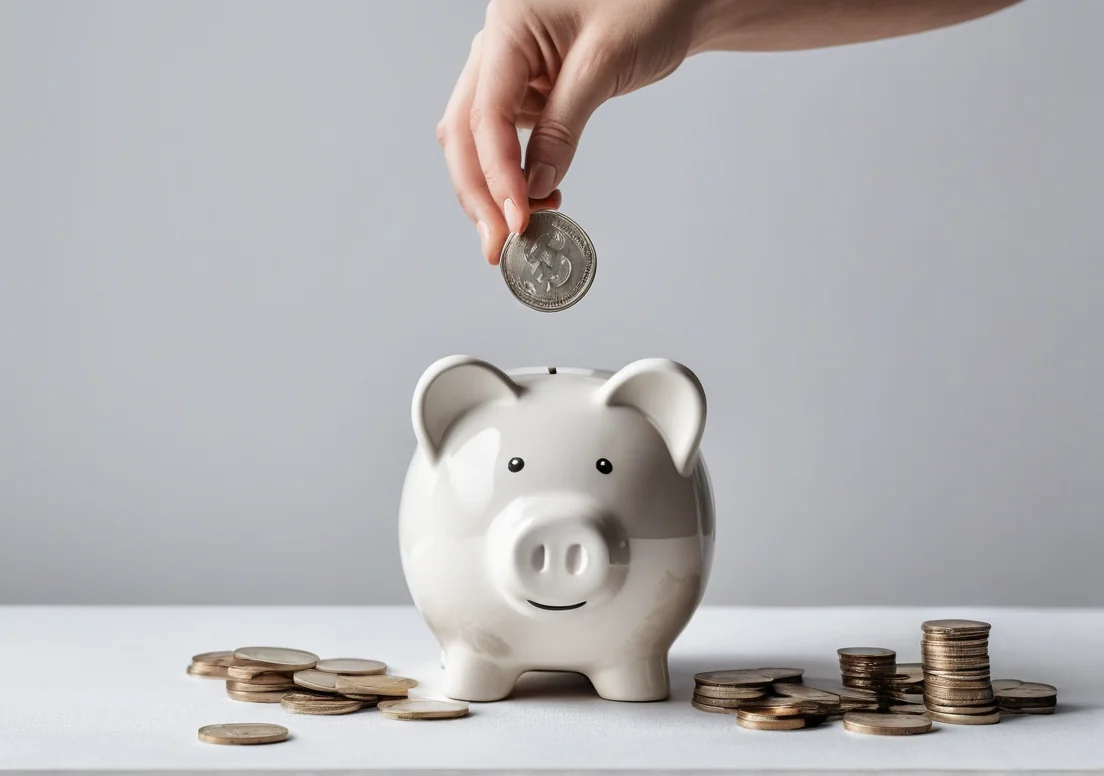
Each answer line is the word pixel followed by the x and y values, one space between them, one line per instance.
pixel 551 554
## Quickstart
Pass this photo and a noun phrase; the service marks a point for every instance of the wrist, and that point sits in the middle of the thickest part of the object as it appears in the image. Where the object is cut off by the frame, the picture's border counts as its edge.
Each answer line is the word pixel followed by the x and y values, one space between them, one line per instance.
pixel 716 22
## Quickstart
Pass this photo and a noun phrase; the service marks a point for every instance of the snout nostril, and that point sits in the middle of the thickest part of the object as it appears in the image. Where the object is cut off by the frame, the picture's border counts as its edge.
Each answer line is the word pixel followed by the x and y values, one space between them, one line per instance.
pixel 540 557
pixel 576 559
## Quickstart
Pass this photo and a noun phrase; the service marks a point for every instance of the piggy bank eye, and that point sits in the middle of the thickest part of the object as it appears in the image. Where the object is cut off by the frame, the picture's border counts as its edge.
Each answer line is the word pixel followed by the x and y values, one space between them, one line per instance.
pixel 603 466
pixel 515 464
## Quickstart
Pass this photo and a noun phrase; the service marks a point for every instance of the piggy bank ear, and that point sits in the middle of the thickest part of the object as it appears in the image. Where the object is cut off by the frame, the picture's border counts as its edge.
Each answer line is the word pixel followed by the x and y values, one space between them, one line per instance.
pixel 670 396
pixel 450 388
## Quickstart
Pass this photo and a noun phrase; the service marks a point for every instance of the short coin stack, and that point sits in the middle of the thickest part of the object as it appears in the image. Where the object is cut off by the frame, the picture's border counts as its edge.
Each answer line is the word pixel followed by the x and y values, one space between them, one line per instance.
pixel 957 685
pixel 725 691
pixel 1019 697
pixel 873 673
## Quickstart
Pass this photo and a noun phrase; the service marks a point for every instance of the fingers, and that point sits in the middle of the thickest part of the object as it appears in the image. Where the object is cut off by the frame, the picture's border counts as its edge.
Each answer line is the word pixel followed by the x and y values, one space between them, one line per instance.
pixel 504 76
pixel 462 159
pixel 583 84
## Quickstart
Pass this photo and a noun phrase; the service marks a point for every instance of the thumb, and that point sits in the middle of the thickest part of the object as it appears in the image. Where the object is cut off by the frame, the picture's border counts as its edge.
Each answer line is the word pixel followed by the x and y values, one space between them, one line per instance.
pixel 585 81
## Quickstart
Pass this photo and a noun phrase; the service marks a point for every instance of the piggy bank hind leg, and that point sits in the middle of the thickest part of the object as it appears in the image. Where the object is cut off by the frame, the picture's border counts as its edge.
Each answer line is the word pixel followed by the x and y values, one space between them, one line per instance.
pixel 472 677
pixel 638 679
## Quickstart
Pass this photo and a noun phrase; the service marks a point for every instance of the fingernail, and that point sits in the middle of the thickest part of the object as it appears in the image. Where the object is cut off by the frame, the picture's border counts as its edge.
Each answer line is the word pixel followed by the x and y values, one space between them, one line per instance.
pixel 540 180
pixel 513 217
pixel 484 233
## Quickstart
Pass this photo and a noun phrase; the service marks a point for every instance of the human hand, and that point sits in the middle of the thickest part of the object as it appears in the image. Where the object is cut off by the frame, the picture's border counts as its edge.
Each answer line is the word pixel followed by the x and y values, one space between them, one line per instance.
pixel 547 65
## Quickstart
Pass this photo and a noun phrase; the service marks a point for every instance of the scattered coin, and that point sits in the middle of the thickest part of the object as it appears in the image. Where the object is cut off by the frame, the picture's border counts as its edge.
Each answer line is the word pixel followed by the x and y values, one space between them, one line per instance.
pixel 376 684
pixel 709 707
pixel 885 724
pixel 908 708
pixel 207 672
pixel 309 703
pixel 778 723
pixel 742 677
pixel 243 733
pixel 252 687
pixel 965 719
pixel 253 673
pixel 551 265
pixel 1027 698
pixel 365 699
pixel 721 691
pixel 786 675
pixel 313 679
pixel 222 659
pixel 1005 684
pixel 721 703
pixel 256 697
pixel 420 708
pixel 788 690
pixel 279 658
pixel 351 666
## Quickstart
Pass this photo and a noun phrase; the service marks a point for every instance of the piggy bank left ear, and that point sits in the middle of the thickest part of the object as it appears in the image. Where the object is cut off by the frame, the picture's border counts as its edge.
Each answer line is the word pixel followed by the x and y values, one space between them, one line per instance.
pixel 450 388
pixel 670 396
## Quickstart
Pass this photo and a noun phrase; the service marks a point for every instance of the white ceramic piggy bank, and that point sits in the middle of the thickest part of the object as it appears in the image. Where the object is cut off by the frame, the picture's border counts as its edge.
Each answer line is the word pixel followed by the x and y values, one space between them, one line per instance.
pixel 557 520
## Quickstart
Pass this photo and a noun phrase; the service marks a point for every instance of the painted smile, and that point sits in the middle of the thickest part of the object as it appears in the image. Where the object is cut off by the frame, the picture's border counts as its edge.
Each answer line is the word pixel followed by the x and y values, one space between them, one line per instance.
pixel 548 608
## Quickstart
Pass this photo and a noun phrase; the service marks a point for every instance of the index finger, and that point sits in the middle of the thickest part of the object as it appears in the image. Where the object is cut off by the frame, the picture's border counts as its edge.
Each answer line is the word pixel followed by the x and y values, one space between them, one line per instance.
pixel 504 76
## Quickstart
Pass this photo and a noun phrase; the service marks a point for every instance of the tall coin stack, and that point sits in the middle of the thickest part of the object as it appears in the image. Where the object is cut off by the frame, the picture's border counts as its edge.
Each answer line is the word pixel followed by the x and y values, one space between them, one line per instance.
pixel 957 686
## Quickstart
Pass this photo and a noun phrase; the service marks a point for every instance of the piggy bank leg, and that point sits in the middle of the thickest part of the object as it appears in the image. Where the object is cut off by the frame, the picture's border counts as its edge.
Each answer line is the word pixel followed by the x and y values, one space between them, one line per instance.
pixel 641 679
pixel 471 677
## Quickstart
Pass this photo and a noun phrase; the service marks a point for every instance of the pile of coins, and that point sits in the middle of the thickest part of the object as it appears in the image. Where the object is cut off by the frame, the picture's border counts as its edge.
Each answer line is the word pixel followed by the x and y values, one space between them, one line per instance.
pixel 957 685
pixel 1019 697
pixel 880 696
pixel 302 683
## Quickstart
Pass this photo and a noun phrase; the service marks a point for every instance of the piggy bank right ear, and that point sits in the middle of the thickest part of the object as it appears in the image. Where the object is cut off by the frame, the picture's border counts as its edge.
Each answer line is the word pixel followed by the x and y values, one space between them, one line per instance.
pixel 450 388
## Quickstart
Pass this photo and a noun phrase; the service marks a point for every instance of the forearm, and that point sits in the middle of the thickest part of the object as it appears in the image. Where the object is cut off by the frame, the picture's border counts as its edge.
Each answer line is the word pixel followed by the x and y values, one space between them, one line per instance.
pixel 788 25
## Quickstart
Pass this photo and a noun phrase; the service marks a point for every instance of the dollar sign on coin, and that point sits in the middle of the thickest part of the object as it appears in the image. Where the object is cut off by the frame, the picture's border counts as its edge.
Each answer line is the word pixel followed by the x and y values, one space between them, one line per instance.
pixel 550 266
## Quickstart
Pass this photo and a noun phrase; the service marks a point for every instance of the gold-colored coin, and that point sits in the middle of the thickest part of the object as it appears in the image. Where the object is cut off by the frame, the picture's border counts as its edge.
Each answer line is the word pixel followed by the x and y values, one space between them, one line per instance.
pixel 720 691
pixel 279 658
pixel 221 659
pixel 351 666
pixel 1029 690
pixel 367 700
pixel 965 719
pixel 784 675
pixel 723 703
pixel 243 733
pixel 939 709
pixel 886 724
pixel 867 654
pixel 740 677
pixel 256 697
pixel 776 723
pixel 908 708
pixel 207 672
pixel 423 708
pixel 703 707
pixel 251 687
pixel 804 692
pixel 375 684
pixel 253 673
pixel 310 703
pixel 313 679
pixel 955 627
pixel 1005 684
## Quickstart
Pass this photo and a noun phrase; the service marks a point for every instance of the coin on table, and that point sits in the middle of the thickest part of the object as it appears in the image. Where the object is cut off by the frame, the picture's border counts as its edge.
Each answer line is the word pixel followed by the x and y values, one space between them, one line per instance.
pixel 720 691
pixel 908 708
pixel 256 697
pixel 313 679
pixel 243 733
pixel 885 724
pixel 1005 684
pixel 255 673
pixel 803 691
pixel 784 675
pixel 965 719
pixel 1029 690
pixel 280 658
pixel 367 700
pixel 310 703
pixel 775 723
pixel 352 666
pixel 208 672
pixel 940 709
pixel 420 708
pixel 551 265
pixel 724 703
pixel 251 687
pixel 383 704
pixel 222 658
pixel 742 677
pixel 711 708
pixel 375 684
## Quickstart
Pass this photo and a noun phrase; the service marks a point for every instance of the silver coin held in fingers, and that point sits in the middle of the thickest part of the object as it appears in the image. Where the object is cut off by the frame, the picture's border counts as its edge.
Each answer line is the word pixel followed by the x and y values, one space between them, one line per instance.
pixel 551 265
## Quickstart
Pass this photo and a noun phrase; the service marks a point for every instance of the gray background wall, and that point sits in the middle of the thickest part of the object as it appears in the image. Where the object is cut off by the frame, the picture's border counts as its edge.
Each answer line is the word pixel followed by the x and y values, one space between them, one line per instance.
pixel 229 247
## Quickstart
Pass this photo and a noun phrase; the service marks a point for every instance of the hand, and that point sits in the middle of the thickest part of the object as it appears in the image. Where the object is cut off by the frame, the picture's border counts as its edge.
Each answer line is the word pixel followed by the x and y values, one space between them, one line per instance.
pixel 547 65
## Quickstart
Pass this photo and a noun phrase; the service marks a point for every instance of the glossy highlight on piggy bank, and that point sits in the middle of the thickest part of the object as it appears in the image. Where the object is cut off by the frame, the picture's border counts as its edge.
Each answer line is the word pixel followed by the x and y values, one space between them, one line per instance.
pixel 558 520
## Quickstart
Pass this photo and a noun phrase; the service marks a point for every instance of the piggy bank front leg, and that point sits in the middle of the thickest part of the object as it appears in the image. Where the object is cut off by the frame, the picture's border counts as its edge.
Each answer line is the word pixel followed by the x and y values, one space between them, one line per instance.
pixel 635 679
pixel 477 678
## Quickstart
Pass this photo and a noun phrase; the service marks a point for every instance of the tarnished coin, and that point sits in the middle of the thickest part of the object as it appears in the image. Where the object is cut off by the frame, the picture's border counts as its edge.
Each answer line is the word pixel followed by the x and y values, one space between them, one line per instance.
pixel 223 658
pixel 365 699
pixel 742 677
pixel 1029 690
pixel 908 708
pixel 885 724
pixel 785 675
pixel 207 671
pixel 1005 684
pixel 243 733
pixel 309 703
pixel 376 684
pixel 551 265
pixel 251 687
pixel 279 658
pixel 939 709
pixel 257 697
pixel 313 679
pixel 867 653
pixel 421 708
pixel 724 703
pixel 707 707
pixel 965 719
pixel 782 707
pixel 954 627
pixel 720 691
pixel 351 666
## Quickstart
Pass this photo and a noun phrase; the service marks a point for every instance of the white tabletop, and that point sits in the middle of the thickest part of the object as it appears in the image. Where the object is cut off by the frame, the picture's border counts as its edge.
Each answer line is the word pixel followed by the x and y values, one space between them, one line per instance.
pixel 104 689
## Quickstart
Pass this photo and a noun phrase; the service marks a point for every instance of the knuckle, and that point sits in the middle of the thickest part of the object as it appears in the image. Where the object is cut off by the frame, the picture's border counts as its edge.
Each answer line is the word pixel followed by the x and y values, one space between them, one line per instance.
pixel 553 132
pixel 442 133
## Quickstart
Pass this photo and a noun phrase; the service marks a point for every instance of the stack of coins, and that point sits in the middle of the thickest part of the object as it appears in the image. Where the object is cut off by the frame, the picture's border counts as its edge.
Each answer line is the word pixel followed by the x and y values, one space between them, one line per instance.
pixel 866 667
pixel 265 674
pixel 787 713
pixel 724 691
pixel 1019 697
pixel 957 685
